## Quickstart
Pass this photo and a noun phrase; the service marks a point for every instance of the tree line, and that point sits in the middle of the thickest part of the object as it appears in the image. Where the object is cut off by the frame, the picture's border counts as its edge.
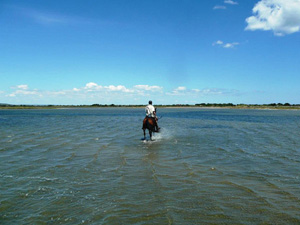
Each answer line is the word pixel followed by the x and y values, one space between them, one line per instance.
pixel 236 105
pixel 231 105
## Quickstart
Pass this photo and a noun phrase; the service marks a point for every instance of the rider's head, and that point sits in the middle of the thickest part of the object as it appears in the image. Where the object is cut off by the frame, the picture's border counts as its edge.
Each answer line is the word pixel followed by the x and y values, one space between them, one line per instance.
pixel 150 102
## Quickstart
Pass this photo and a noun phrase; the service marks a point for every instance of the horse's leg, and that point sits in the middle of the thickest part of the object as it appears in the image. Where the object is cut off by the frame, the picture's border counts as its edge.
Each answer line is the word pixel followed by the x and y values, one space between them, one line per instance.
pixel 144 134
pixel 150 133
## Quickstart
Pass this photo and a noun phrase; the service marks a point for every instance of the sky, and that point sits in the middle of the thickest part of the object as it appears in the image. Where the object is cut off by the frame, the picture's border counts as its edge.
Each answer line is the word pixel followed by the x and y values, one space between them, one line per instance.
pixel 132 51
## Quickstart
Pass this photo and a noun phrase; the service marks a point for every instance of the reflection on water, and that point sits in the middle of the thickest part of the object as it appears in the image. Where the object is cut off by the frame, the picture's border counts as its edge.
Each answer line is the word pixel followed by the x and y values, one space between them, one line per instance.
pixel 89 166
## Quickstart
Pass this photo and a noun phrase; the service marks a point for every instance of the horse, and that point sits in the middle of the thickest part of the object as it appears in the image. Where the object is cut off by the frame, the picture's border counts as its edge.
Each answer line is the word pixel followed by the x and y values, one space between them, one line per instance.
pixel 149 123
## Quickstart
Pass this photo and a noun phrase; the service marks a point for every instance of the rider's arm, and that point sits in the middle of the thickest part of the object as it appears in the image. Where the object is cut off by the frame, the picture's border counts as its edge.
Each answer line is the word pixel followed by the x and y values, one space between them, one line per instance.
pixel 154 112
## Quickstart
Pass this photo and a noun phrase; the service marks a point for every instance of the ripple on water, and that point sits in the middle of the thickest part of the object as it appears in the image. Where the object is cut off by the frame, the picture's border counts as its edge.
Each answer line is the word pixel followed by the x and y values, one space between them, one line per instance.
pixel 210 167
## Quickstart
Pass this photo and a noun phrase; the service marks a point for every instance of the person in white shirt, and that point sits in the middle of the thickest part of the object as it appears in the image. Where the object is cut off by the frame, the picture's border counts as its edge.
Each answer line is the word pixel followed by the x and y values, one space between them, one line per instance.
pixel 151 112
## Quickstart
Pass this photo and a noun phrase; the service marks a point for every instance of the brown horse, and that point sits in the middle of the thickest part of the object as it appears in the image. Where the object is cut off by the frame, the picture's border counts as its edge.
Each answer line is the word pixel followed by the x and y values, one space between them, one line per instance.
pixel 149 123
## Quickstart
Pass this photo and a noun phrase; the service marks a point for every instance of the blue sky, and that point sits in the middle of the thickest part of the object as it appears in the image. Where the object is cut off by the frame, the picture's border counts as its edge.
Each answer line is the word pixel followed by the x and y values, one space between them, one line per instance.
pixel 169 51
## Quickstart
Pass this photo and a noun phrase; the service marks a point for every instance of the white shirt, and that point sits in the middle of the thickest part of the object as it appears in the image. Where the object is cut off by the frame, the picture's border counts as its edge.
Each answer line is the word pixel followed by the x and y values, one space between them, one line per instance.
pixel 150 111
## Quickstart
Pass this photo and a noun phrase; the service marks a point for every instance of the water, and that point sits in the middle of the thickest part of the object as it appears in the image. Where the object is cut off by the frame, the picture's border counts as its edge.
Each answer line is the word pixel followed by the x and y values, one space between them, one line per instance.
pixel 207 166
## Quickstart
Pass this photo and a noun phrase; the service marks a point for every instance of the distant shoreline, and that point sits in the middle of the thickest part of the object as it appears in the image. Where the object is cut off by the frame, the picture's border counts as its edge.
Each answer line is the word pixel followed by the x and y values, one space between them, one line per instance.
pixel 203 105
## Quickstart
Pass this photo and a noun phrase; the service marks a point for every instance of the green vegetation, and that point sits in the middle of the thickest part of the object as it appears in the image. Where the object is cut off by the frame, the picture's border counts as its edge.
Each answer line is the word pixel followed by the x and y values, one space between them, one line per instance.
pixel 254 106
pixel 204 105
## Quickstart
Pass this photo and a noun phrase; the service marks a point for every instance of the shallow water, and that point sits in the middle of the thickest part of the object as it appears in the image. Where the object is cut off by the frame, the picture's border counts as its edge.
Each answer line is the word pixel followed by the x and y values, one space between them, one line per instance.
pixel 207 166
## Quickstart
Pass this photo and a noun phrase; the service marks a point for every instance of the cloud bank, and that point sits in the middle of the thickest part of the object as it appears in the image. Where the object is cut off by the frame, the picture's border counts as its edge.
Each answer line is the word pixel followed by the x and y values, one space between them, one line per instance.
pixel 183 91
pixel 94 93
pixel 280 16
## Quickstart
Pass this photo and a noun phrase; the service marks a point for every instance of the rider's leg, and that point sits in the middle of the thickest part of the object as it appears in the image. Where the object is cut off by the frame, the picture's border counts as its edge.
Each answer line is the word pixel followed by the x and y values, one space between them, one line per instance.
pixel 144 123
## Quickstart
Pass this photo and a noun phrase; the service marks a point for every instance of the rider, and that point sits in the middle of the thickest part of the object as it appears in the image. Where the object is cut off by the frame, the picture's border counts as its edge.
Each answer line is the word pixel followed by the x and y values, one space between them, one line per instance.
pixel 151 112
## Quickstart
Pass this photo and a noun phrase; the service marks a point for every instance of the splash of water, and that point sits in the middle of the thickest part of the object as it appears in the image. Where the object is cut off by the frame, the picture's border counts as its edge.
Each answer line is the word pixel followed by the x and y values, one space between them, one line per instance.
pixel 163 135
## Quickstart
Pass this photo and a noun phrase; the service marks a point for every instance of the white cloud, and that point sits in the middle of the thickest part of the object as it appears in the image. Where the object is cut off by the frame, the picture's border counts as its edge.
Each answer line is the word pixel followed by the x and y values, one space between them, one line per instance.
pixel 179 91
pixel 230 45
pixel 22 86
pixel 231 2
pixel 139 89
pixel 118 88
pixel 213 91
pixel 280 16
pixel 219 7
pixel 225 45
pixel 183 91
pixel 218 43
pixel 58 92
pixel 218 91
pixel 148 87
pixel 91 93
pixel 23 89
pixel 92 85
